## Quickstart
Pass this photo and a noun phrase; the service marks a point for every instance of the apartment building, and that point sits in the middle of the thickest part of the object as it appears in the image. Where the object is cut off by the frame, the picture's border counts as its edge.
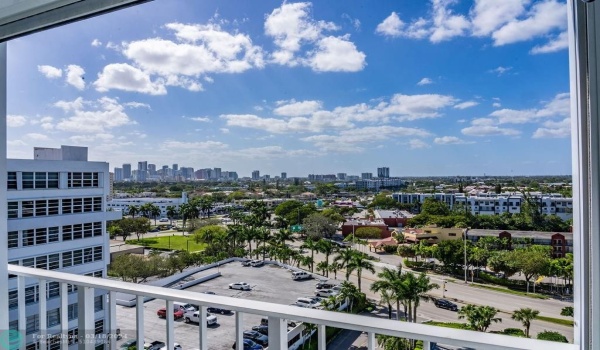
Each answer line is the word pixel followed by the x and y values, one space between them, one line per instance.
pixel 493 203
pixel 121 204
pixel 57 221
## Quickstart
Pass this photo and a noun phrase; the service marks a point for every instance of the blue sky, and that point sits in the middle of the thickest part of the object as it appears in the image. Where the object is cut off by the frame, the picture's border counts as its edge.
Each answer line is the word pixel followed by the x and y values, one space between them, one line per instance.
pixel 436 87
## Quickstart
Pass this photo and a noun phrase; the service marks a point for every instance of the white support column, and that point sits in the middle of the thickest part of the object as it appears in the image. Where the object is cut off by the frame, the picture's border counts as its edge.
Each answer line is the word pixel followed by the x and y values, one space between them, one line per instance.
pixel 43 314
pixel 202 331
pixel 139 321
pixel 584 53
pixel 321 337
pixel 85 317
pixel 21 308
pixel 64 315
pixel 371 344
pixel 3 204
pixel 239 331
pixel 277 333
pixel 112 321
pixel 170 330
pixel 426 345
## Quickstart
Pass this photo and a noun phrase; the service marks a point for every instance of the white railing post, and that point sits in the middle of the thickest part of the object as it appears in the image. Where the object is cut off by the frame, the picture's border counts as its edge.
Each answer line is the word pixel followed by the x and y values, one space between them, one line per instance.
pixel 426 345
pixel 43 310
pixel 239 331
pixel 139 321
pixel 64 315
pixel 21 308
pixel 321 337
pixel 112 320
pixel 85 315
pixel 3 178
pixel 202 310
pixel 277 333
pixel 170 331
pixel 371 344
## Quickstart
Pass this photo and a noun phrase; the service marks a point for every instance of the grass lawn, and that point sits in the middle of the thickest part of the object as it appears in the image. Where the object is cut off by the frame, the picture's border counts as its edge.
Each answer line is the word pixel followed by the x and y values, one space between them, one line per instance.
pixel 170 242
pixel 556 320
pixel 510 291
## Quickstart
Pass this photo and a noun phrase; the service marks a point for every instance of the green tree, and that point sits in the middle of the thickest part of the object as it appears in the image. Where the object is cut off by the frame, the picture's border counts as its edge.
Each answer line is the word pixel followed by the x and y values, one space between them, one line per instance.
pixel 327 248
pixel 552 336
pixel 390 282
pixel 311 245
pixel 318 226
pixel 358 263
pixel 351 294
pixel 132 210
pixel 171 213
pixel 368 233
pixel 323 266
pixel 479 318
pixel 525 316
pixel 433 206
pixel 343 259
pixel 532 261
pixel 567 311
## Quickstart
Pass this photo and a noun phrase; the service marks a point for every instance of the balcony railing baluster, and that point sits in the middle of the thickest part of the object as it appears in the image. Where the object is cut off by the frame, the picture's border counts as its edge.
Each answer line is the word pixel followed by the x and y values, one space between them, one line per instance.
pixel 64 314
pixel 277 333
pixel 139 321
pixel 426 345
pixel 112 321
pixel 170 331
pixel 85 317
pixel 202 331
pixel 321 337
pixel 239 331
pixel 371 343
pixel 43 331
pixel 21 308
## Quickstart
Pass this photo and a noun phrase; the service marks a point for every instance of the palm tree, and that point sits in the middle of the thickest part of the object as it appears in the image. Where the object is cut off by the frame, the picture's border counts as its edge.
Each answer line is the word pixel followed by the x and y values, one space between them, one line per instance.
pixel 326 247
pixel 358 263
pixel 387 298
pixel 350 293
pixel 132 210
pixel 334 267
pixel 479 318
pixel 171 213
pixel 330 303
pixel 390 280
pixel 323 266
pixel 525 316
pixel 420 292
pixel 343 258
pixel 312 245
pixel 154 211
pixel 388 342
pixel 185 210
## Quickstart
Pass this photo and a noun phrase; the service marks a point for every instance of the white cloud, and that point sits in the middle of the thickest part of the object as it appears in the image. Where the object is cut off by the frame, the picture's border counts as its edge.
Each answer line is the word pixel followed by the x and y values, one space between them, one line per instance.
pixel 449 140
pixel 489 130
pixel 425 81
pixel 122 76
pixel 553 129
pixel 496 105
pixel 50 72
pixel 487 16
pixel 500 70
pixel 559 43
pixel 16 143
pixel 418 144
pixel 297 109
pixel 92 116
pixel 354 21
pixel 391 26
pixel 45 123
pixel 75 76
pixel 37 137
pixel 447 25
pixel 466 104
pixel 200 119
pixel 559 106
pixel 15 121
pixel 199 146
pixel 337 54
pixel 135 104
pixel 542 18
pixel 224 130
pixel 96 43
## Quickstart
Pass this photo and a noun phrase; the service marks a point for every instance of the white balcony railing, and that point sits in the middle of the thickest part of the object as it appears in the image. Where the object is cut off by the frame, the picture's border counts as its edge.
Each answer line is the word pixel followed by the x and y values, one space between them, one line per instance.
pixel 276 313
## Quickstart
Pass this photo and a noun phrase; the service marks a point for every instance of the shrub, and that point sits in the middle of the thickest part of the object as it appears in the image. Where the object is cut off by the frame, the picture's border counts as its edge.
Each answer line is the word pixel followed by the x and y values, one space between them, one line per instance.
pixel 517 332
pixel 552 336
pixel 390 249
pixel 413 264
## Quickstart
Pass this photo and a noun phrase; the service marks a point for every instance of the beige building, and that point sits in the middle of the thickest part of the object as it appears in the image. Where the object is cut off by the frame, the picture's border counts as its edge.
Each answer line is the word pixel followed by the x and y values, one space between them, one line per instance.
pixel 432 234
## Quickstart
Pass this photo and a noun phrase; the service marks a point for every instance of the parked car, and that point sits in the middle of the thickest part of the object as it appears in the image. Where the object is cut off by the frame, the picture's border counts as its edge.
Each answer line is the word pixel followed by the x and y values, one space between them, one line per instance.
pixel 163 220
pixel 216 310
pixel 250 345
pixel 265 322
pixel 176 346
pixel 263 329
pixel 155 230
pixel 240 286
pixel 246 262
pixel 257 263
pixel 185 306
pixel 194 316
pixel 155 345
pixel 177 313
pixel 307 302
pixel 324 285
pixel 445 304
pixel 257 337
pixel 300 275
pixel 132 343
pixel 326 292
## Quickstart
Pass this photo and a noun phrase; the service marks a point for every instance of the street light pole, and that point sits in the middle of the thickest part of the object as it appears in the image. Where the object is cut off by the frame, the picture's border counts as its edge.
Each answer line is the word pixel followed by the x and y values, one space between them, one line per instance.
pixel 465 251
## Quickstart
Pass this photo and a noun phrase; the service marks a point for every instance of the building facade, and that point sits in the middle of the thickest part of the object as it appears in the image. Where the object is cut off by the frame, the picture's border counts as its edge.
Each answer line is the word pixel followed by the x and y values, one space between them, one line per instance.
pixel 121 204
pixel 57 221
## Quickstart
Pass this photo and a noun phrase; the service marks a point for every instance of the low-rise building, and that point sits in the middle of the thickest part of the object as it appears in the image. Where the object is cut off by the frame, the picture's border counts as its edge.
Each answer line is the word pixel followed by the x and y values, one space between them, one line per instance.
pixel 121 204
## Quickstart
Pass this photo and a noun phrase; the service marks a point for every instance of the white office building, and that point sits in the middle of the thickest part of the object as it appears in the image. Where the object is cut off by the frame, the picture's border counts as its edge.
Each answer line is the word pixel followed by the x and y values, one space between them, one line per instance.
pixel 121 204
pixel 57 221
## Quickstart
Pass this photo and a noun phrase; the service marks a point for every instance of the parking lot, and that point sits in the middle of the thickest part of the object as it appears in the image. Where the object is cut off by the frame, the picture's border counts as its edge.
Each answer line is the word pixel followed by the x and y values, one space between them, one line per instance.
pixel 270 283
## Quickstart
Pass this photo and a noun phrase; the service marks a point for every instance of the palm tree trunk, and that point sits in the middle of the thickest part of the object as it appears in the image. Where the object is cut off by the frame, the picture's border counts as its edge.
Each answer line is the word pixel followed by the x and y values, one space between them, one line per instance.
pixel 397 309
pixel 358 273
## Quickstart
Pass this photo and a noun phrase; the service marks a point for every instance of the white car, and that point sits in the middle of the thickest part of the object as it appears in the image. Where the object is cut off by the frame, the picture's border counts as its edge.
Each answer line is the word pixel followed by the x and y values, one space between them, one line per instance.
pixel 176 346
pixel 326 292
pixel 308 303
pixel 194 316
pixel 163 220
pixel 240 286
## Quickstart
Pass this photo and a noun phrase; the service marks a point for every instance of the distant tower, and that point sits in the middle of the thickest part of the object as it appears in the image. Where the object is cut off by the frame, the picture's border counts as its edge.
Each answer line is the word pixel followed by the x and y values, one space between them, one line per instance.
pixel 126 171
pixel 256 175
pixel 383 172
pixel 283 176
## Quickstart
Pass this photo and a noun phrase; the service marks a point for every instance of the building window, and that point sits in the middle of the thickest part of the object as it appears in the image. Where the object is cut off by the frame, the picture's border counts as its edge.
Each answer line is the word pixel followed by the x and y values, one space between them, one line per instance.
pixel 13 299
pixel 72 311
pixel 67 259
pixel 31 295
pixel 97 253
pixel 53 290
pixel 99 327
pixel 12 180
pixel 33 324
pixel 13 239
pixel 34 346
pixel 79 180
pixel 13 210
pixel 99 303
pixel 53 317
pixel 54 261
pixel 72 335
pixel 27 179
pixel 41 262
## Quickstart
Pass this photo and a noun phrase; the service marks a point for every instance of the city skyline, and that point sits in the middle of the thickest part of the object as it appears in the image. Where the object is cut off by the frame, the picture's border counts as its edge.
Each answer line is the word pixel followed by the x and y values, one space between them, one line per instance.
pixel 435 88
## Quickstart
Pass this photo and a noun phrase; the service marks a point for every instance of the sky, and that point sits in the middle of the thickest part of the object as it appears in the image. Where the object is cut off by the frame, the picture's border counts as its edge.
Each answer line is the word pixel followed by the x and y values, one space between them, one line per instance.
pixel 426 88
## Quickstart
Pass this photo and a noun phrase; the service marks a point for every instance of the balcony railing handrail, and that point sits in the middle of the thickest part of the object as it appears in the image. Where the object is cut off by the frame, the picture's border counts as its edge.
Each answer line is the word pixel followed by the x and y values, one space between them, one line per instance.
pixel 449 336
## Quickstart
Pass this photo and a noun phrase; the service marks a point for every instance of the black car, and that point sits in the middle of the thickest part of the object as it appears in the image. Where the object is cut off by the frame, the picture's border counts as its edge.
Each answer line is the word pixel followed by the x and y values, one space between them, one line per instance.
pixel 216 310
pixel 445 304
pixel 262 329
pixel 257 337
pixel 324 285
pixel 156 345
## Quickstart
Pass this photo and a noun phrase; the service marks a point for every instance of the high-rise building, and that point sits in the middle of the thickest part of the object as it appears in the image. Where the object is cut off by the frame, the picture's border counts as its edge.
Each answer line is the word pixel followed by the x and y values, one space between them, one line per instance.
pixel 256 175
pixel 142 171
pixel 366 176
pixel 175 167
pixel 283 176
pixel 119 174
pixel 341 176
pixel 126 171
pixel 217 173
pixel 57 221
pixel 383 172
pixel 152 169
